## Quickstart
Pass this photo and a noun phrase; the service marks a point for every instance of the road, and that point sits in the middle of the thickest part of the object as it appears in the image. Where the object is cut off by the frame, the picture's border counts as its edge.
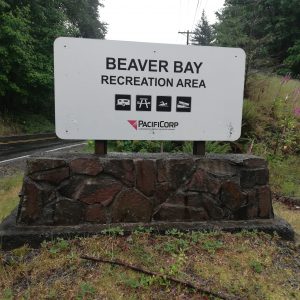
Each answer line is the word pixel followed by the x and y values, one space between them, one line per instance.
pixel 18 147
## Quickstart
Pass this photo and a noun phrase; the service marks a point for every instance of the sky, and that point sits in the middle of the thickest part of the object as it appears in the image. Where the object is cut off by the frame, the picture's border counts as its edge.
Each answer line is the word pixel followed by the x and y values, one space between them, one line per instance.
pixel 155 21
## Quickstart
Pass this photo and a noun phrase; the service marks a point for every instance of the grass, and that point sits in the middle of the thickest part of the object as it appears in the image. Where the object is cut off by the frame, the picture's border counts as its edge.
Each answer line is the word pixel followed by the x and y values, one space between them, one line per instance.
pixel 265 88
pixel 8 126
pixel 292 216
pixel 9 190
pixel 285 175
pixel 249 265
pixel 24 124
pixel 271 121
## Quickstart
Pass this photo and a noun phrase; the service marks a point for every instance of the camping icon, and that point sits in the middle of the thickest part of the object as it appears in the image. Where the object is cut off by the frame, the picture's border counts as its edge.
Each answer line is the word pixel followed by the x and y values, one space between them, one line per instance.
pixel 122 102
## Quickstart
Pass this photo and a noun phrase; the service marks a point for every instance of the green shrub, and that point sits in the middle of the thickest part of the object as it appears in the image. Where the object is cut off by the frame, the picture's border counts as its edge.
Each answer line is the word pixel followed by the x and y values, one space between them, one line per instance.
pixel 33 123
pixel 270 120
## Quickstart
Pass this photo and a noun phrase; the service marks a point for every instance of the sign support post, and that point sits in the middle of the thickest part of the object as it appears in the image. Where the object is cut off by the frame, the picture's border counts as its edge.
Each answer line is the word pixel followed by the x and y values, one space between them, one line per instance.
pixel 199 148
pixel 100 147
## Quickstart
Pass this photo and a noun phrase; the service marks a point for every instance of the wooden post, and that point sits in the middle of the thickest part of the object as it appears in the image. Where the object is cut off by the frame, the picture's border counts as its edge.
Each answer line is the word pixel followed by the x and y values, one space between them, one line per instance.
pixel 100 147
pixel 199 148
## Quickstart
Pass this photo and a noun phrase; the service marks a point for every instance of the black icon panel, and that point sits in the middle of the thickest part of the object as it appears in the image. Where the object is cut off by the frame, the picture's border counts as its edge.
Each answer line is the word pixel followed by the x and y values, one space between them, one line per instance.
pixel 163 103
pixel 143 103
pixel 122 102
pixel 183 104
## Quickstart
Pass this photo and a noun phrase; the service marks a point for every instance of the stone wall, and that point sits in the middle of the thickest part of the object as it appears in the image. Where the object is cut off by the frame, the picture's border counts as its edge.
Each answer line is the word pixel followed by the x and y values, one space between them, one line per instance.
pixel 70 190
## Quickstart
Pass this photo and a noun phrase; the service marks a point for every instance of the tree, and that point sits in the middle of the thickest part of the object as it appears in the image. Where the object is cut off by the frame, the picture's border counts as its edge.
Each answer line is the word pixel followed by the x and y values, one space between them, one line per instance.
pixel 16 53
pixel 83 14
pixel 265 29
pixel 28 29
pixel 203 33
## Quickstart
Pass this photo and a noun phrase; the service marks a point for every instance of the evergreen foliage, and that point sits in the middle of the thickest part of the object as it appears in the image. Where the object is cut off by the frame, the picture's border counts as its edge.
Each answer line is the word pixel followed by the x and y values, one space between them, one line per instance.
pixel 203 33
pixel 268 30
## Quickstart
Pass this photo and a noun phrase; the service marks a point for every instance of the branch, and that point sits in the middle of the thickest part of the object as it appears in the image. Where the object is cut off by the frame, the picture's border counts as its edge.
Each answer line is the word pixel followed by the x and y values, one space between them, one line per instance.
pixel 188 284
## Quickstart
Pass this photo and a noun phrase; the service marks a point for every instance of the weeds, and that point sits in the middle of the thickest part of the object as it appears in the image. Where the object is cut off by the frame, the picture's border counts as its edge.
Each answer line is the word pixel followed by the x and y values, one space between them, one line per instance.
pixel 86 291
pixel 175 246
pixel 269 117
pixel 212 246
pixel 25 123
pixel 113 231
pixel 57 246
pixel 50 275
pixel 256 266
pixel 177 266
pixel 143 281
pixel 141 229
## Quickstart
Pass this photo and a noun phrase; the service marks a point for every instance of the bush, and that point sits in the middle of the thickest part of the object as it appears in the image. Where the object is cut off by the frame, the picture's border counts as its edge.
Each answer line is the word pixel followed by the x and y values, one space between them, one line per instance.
pixel 270 115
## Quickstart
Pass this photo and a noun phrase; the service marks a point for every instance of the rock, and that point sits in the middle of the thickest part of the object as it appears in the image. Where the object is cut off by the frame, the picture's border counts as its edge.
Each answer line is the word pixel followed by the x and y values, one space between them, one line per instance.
pixel 179 171
pixel 71 188
pixel 130 187
pixel 173 212
pixel 252 204
pixel 145 176
pixel 220 168
pixel 162 193
pixel 252 212
pixel 68 212
pixel 54 176
pixel 87 166
pixel 43 164
pixel 33 197
pixel 210 204
pixel 131 206
pixel 264 202
pixel 161 170
pixel 201 182
pixel 96 213
pixel 98 190
pixel 231 196
pixel 252 177
pixel 198 200
pixel 47 217
pixel 122 169
pixel 255 162
pixel 246 160
pixel 241 213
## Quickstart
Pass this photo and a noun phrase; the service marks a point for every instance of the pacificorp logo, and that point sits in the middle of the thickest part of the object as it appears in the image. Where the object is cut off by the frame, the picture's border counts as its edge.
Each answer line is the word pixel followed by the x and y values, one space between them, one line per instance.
pixel 153 125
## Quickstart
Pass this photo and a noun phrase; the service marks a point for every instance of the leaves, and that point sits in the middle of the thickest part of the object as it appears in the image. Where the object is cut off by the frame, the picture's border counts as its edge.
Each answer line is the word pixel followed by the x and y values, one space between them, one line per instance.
pixel 267 30
pixel 27 31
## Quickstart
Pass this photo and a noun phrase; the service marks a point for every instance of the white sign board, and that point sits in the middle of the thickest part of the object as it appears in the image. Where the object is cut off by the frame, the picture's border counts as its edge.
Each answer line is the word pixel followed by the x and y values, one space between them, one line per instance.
pixel 113 90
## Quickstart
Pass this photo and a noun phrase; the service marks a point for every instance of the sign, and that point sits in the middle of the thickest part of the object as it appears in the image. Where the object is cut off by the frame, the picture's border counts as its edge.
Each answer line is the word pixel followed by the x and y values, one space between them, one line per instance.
pixel 113 90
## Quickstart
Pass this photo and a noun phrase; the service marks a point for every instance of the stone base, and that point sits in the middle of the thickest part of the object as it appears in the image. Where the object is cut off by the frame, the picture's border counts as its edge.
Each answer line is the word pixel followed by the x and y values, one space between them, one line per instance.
pixel 133 188
pixel 66 196
pixel 13 236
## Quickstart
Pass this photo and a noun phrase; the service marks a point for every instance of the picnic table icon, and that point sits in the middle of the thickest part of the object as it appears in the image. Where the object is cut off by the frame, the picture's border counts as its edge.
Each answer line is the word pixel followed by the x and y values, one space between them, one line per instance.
pixel 143 101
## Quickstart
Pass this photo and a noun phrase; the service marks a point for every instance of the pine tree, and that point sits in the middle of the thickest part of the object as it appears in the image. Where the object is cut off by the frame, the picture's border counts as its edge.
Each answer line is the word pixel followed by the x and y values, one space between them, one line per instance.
pixel 203 32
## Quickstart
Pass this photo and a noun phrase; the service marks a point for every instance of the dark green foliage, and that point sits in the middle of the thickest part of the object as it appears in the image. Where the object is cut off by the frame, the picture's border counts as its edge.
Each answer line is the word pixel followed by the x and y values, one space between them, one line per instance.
pixel 203 33
pixel 268 31
pixel 28 29
pixel 293 60
pixel 83 15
